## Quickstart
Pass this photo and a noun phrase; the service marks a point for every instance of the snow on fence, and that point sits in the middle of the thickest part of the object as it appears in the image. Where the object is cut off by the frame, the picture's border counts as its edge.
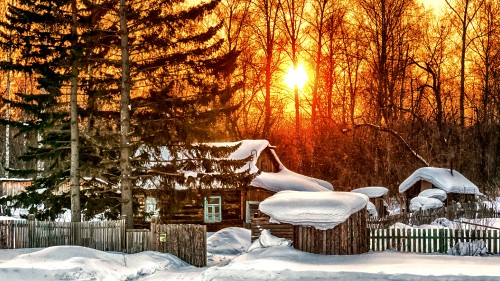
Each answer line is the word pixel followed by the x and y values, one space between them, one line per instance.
pixel 100 235
pixel 430 240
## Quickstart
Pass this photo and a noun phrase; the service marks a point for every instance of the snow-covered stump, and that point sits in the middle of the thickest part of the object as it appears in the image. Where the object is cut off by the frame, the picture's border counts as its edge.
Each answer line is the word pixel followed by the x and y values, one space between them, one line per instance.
pixel 332 223
pixel 348 238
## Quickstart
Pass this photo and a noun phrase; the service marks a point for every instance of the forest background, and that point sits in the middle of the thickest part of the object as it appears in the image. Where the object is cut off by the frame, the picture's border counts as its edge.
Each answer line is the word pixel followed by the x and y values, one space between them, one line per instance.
pixel 392 85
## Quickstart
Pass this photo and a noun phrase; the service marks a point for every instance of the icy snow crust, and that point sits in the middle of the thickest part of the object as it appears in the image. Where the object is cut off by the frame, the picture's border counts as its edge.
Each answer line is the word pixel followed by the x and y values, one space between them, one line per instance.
pixel 321 210
pixel 442 179
pixel 372 191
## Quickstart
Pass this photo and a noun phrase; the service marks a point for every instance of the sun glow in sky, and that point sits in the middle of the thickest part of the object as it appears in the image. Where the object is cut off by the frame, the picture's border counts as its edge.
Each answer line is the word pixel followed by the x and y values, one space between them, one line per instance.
pixel 296 77
pixel 435 4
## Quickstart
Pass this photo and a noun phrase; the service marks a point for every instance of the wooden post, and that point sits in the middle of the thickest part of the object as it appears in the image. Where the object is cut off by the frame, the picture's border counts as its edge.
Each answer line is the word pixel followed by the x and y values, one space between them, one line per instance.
pixel 154 235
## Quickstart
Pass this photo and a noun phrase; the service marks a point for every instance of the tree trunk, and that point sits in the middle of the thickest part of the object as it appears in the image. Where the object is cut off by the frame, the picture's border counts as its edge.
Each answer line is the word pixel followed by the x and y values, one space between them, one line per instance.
pixel 75 161
pixel 125 166
pixel 7 117
pixel 462 66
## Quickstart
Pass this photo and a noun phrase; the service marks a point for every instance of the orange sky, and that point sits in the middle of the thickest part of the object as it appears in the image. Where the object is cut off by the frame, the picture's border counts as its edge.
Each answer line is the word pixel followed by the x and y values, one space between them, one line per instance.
pixel 436 4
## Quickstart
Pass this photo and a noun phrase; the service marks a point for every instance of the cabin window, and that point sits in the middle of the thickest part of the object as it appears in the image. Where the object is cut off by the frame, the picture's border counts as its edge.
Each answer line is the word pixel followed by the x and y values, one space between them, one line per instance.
pixel 150 208
pixel 213 209
pixel 251 209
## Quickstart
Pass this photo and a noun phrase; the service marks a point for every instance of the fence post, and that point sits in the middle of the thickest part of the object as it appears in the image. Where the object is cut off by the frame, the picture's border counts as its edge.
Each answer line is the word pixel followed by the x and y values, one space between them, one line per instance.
pixel 154 241
pixel 31 231
pixel 123 219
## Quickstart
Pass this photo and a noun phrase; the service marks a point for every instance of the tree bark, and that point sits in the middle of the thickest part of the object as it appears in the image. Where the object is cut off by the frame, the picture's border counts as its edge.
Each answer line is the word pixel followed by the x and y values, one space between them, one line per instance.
pixel 125 165
pixel 75 159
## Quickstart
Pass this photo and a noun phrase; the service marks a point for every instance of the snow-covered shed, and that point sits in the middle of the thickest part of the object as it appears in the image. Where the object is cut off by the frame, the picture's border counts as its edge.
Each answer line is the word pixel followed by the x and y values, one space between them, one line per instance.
pixel 378 206
pixel 317 222
pixel 457 187
pixel 220 206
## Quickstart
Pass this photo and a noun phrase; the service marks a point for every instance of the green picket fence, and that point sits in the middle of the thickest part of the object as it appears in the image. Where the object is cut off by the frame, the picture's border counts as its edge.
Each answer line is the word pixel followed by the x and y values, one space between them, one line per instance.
pixel 430 240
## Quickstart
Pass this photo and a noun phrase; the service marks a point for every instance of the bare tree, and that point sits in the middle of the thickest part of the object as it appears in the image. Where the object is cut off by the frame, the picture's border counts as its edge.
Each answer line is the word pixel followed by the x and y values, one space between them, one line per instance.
pixel 465 11
pixel 292 16
pixel 266 36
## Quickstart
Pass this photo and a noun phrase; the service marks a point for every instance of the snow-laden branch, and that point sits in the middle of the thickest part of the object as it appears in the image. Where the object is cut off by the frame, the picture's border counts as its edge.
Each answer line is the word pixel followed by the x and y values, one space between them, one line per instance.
pixel 398 136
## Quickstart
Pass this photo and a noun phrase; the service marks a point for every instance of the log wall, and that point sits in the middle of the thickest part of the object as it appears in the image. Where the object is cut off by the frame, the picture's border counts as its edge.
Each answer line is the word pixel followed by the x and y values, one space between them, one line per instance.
pixel 348 238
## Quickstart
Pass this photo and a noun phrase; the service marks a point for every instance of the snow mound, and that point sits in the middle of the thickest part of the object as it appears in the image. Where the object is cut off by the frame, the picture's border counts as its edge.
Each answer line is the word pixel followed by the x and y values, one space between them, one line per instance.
pixel 80 263
pixel 433 193
pixel 372 191
pixel 444 222
pixel 266 240
pixel 473 248
pixel 322 210
pixel 231 240
pixel 372 210
pixel 424 203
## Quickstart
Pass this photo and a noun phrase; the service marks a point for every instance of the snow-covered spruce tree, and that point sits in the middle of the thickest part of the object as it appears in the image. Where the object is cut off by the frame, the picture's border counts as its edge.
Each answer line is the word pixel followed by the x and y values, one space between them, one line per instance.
pixel 177 84
pixel 52 40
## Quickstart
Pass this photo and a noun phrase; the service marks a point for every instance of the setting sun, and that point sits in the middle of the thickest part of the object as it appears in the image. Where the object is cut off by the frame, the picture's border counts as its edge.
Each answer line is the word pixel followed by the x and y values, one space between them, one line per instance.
pixel 296 76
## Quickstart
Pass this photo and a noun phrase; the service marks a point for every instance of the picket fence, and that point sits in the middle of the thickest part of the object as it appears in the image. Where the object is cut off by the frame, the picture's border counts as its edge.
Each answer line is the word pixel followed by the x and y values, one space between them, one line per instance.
pixel 188 242
pixel 430 240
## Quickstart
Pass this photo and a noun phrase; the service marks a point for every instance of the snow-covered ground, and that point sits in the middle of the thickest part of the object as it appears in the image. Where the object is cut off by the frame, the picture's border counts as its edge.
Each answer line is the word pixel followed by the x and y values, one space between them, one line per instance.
pixel 230 259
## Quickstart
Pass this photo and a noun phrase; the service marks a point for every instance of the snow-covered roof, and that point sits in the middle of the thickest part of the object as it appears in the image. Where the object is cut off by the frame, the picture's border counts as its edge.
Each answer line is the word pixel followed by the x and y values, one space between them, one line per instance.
pixel 322 210
pixel 288 180
pixel 441 178
pixel 284 179
pixel 246 149
pixel 15 179
pixel 372 191
pixel 433 193
pixel 424 203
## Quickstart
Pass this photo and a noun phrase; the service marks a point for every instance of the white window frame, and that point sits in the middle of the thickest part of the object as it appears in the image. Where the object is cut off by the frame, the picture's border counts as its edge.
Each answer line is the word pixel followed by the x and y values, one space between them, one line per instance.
pixel 248 216
pixel 150 208
pixel 212 211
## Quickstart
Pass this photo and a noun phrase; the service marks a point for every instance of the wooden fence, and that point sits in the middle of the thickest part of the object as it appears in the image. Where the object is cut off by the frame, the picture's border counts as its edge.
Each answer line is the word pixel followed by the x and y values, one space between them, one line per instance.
pixel 100 235
pixel 188 242
pixel 430 240
pixel 452 212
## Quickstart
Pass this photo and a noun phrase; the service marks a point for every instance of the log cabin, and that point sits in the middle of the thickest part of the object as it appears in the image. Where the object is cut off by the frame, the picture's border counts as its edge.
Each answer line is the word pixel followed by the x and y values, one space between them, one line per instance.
pixel 219 207
pixel 457 187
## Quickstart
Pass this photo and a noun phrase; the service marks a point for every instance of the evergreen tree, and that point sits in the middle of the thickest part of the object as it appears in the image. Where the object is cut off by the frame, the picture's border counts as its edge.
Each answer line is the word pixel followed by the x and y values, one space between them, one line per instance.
pixel 50 49
pixel 178 85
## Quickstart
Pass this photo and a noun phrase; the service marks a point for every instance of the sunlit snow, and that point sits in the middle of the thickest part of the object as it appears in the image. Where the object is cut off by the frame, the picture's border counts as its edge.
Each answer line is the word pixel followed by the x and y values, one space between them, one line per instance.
pixel 442 178
pixel 372 191
pixel 322 210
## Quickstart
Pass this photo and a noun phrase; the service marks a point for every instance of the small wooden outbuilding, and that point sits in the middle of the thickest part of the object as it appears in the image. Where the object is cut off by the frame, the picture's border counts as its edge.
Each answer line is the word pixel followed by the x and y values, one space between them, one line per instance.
pixel 457 187
pixel 332 223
